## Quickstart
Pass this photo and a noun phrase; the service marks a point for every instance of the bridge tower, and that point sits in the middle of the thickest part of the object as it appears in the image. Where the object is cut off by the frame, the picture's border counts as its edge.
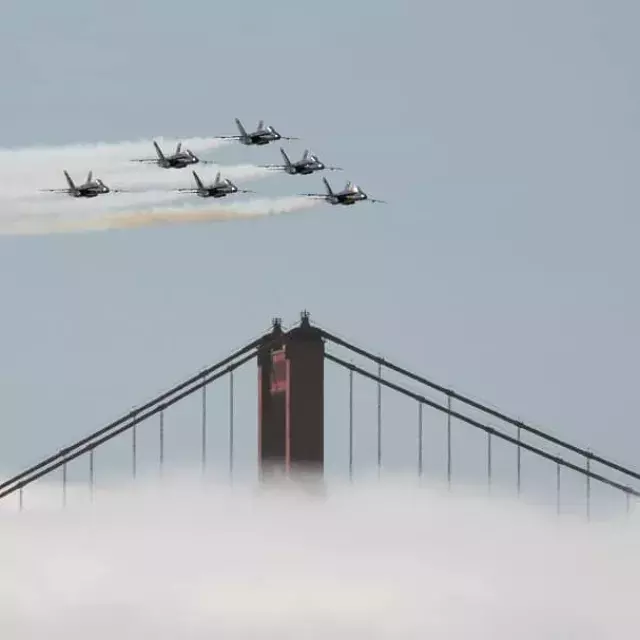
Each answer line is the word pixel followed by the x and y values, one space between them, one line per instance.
pixel 291 401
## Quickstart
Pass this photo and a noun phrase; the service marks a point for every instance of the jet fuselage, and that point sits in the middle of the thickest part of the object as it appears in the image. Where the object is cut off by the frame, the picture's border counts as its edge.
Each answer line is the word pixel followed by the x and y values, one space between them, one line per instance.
pixel 347 199
pixel 260 139
pixel 305 169
pixel 218 190
pixel 178 163
pixel 89 191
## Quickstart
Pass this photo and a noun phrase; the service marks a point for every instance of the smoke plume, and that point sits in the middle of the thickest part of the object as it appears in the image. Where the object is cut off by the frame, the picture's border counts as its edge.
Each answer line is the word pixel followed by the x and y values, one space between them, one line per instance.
pixel 149 199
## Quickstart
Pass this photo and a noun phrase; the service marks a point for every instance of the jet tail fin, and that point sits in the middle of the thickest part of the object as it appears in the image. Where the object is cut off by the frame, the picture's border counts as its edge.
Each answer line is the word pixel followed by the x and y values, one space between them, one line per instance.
pixel 89 176
pixel 287 162
pixel 69 180
pixel 196 177
pixel 217 180
pixel 158 150
pixel 328 186
pixel 241 129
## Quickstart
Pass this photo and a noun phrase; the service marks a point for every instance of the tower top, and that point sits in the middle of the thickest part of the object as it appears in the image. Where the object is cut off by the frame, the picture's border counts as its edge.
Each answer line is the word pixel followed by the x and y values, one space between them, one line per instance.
pixel 304 331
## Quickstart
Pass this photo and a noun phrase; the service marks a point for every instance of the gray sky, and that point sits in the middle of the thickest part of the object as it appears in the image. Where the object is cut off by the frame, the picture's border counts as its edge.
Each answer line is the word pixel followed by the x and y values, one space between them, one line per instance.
pixel 504 135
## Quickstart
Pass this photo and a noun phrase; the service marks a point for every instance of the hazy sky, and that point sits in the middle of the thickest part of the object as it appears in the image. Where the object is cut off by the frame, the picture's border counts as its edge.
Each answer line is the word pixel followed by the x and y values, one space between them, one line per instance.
pixel 504 135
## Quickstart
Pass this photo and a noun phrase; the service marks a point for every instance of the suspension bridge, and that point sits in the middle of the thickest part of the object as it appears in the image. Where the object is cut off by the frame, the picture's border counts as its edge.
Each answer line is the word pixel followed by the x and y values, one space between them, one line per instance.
pixel 330 408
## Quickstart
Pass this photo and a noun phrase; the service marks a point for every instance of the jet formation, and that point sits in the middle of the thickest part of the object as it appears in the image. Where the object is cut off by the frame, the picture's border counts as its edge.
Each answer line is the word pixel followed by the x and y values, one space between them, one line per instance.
pixel 223 187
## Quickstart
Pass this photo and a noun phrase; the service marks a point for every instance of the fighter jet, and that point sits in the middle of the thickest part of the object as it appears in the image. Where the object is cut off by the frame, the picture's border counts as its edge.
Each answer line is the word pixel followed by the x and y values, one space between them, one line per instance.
pixel 90 189
pixel 261 136
pixel 177 160
pixel 348 196
pixel 220 188
pixel 307 165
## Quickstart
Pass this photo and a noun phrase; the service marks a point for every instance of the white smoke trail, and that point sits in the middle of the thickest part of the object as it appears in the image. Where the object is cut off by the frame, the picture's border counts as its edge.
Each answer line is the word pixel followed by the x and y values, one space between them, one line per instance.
pixel 25 171
pixel 365 562
pixel 169 179
pixel 150 176
pixel 24 209
pixel 102 153
pixel 103 220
